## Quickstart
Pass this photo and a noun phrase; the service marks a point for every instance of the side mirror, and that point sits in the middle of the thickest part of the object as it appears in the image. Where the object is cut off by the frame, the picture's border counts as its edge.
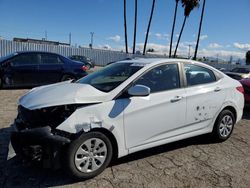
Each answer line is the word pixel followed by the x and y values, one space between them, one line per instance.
pixel 139 90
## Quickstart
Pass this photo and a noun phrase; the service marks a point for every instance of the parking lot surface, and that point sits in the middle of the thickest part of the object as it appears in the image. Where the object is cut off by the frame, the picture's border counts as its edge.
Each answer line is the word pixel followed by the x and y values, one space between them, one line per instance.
pixel 196 162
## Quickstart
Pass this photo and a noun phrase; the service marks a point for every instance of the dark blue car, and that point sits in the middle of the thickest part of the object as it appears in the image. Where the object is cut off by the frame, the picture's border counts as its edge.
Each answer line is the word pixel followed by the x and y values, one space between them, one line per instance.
pixel 28 69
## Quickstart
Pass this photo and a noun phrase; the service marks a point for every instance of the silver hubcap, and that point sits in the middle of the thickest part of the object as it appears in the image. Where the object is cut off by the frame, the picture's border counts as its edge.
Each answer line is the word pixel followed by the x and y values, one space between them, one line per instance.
pixel 226 126
pixel 91 155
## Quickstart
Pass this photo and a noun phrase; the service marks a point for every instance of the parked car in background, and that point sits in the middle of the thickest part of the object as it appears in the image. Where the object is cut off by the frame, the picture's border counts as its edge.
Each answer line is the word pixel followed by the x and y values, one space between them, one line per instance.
pixel 239 73
pixel 125 107
pixel 222 69
pixel 89 63
pixel 246 85
pixel 28 69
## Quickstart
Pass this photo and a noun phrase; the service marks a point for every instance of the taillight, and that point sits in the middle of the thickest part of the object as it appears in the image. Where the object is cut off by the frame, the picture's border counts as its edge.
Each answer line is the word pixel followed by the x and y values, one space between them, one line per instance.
pixel 84 68
pixel 240 89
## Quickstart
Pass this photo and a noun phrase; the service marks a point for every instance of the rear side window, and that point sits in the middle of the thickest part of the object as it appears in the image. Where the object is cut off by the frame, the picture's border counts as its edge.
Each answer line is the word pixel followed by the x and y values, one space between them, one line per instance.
pixel 198 75
pixel 50 59
pixel 161 78
pixel 24 59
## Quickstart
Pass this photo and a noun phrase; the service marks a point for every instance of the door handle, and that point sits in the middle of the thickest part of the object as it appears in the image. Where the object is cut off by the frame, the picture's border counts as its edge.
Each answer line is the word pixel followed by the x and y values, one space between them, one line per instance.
pixel 176 99
pixel 217 89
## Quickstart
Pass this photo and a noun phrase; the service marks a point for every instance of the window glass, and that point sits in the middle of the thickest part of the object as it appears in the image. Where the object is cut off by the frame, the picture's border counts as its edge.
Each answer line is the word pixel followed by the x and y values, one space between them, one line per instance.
pixel 111 76
pixel 50 59
pixel 161 78
pixel 24 59
pixel 198 75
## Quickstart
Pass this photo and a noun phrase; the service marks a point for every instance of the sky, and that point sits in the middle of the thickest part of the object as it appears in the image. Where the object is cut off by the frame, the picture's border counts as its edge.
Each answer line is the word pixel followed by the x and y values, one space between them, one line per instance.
pixel 225 31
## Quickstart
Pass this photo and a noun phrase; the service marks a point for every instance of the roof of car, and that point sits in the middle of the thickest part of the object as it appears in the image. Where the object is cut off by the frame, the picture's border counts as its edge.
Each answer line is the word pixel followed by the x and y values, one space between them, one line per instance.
pixel 22 52
pixel 156 60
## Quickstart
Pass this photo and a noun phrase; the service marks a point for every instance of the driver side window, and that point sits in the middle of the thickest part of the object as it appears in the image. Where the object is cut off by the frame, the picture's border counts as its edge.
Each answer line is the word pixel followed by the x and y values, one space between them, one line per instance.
pixel 161 78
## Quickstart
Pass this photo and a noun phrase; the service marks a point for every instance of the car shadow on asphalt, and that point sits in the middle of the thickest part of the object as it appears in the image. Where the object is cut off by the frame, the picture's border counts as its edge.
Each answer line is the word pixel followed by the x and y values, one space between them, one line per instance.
pixel 246 114
pixel 15 173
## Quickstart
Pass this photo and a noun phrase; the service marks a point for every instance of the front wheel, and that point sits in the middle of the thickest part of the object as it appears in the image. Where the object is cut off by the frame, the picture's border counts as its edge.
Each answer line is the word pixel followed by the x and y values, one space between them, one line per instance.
pixel 88 155
pixel 224 125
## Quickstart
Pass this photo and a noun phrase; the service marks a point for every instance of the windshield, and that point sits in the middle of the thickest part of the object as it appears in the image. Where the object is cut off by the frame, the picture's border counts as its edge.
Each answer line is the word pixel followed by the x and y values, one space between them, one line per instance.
pixel 7 57
pixel 111 76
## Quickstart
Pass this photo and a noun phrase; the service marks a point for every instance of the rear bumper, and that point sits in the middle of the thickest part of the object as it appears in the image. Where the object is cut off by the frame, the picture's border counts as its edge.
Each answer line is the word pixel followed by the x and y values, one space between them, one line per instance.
pixel 39 144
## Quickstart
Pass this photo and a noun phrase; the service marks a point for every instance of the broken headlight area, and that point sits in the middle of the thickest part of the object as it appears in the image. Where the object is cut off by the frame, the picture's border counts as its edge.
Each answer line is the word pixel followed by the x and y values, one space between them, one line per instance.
pixel 50 116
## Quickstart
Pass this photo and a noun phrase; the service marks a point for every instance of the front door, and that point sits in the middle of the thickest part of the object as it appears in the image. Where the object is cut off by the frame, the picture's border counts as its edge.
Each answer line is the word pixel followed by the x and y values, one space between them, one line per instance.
pixel 22 70
pixel 161 114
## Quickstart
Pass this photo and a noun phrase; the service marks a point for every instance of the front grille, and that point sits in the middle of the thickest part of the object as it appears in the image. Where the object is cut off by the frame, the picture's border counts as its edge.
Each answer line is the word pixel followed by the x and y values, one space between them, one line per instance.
pixel 50 116
pixel 31 118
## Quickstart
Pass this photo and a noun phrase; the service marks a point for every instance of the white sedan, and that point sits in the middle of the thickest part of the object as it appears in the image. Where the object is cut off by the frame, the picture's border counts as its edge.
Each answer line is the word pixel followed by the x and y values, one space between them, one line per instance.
pixel 125 107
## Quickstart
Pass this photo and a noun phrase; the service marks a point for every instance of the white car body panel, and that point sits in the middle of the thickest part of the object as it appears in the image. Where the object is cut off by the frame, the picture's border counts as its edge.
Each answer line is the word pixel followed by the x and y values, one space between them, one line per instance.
pixel 141 122
pixel 152 118
pixel 58 94
pixel 203 103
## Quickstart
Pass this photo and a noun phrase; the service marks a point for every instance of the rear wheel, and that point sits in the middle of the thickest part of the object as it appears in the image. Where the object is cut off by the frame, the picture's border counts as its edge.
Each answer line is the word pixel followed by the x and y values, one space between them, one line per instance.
pixel 224 125
pixel 67 77
pixel 88 155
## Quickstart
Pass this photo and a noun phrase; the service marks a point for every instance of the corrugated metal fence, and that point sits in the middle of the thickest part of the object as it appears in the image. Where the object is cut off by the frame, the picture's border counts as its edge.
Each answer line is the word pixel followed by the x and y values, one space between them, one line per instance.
pixel 101 57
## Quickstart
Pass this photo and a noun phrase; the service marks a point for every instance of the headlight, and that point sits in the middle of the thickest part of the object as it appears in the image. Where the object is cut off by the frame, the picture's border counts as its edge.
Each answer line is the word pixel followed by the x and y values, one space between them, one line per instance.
pixel 51 116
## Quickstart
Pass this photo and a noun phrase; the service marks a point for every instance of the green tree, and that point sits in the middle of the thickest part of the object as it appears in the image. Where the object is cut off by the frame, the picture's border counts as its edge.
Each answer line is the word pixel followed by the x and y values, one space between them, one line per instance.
pixel 135 26
pixel 173 27
pixel 125 25
pixel 149 23
pixel 188 5
pixel 199 32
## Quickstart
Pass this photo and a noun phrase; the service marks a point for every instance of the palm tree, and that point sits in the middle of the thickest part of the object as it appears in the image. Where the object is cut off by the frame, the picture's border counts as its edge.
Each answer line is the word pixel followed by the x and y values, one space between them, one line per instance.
pixel 149 23
pixel 135 25
pixel 199 33
pixel 172 34
pixel 125 26
pixel 188 5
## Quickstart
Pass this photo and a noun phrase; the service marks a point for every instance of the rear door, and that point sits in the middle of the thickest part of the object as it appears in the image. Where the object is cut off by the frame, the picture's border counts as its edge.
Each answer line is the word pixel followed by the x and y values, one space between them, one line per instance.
pixel 205 96
pixel 50 68
pixel 22 70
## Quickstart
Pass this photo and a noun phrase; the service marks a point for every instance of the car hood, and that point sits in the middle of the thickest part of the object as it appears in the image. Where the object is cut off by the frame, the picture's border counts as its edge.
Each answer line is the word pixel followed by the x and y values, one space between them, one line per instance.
pixel 62 93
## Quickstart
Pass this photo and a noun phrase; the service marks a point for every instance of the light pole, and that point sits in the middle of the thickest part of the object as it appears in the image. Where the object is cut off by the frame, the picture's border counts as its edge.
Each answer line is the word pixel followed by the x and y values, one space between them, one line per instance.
pixel 70 38
pixel 91 39
pixel 189 47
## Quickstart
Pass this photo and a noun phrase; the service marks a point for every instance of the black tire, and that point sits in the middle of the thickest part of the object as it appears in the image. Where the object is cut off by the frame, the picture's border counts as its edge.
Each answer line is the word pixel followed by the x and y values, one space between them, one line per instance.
pixel 71 153
pixel 218 133
pixel 1 83
pixel 67 77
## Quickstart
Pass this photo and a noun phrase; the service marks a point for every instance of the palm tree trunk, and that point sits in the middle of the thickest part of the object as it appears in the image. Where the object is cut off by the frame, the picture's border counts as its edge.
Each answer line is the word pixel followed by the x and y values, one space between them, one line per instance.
pixel 172 34
pixel 199 33
pixel 149 23
pixel 179 38
pixel 125 26
pixel 135 25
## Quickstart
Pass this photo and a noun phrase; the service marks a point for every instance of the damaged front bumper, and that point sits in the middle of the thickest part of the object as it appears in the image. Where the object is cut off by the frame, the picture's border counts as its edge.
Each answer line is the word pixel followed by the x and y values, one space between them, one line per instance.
pixel 39 144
